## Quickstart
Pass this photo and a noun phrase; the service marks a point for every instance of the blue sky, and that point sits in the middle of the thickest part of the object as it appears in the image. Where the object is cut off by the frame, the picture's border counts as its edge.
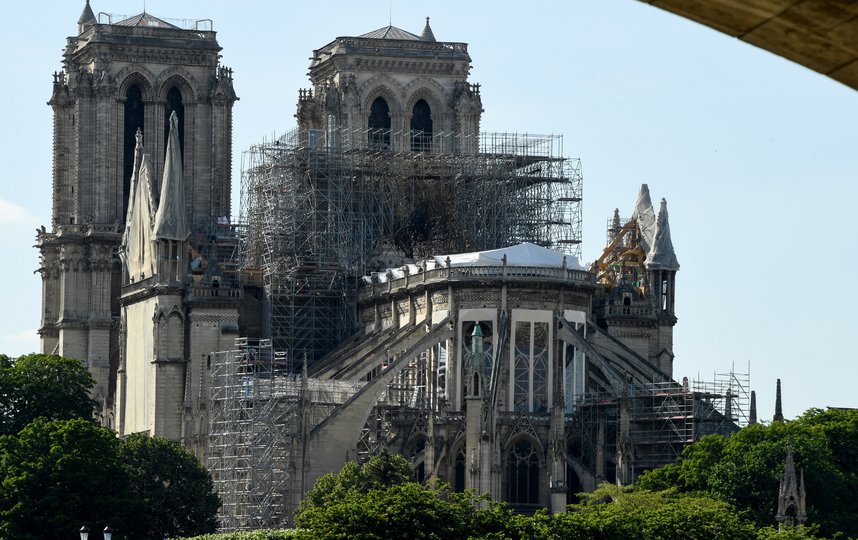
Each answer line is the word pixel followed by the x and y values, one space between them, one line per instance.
pixel 755 155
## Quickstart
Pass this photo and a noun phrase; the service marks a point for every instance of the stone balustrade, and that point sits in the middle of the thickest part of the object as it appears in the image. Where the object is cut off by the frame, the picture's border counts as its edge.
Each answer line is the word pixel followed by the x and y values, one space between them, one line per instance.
pixel 473 274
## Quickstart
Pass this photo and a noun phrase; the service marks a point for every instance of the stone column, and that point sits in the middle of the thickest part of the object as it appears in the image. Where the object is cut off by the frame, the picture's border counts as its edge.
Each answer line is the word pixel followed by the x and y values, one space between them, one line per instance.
pixel 473 453
pixel 100 320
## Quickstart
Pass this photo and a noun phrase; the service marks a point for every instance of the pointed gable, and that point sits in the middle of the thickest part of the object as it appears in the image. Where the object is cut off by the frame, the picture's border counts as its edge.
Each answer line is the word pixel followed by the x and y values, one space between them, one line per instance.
pixel 171 221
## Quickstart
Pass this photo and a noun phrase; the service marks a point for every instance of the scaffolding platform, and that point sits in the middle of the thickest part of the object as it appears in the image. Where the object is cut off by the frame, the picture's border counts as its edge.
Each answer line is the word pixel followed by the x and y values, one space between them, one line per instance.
pixel 321 209
pixel 260 415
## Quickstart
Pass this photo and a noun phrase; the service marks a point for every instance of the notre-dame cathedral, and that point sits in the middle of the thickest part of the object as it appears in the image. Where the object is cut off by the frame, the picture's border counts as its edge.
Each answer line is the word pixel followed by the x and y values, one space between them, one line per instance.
pixel 396 280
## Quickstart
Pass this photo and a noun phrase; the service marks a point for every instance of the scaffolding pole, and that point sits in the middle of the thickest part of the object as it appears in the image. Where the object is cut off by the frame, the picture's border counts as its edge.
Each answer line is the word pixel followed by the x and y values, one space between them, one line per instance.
pixel 320 209
pixel 259 417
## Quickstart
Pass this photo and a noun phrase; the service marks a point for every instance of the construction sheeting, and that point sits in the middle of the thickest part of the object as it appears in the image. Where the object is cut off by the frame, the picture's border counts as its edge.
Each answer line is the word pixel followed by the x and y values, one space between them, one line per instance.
pixel 138 246
pixel 171 221
pixel 525 254
pixel 645 215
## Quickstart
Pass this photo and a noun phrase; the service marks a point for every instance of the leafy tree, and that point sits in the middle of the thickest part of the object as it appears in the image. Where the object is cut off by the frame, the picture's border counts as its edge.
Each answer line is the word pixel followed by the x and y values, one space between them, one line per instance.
pixel 42 385
pixel 691 471
pixel 261 534
pixel 613 512
pixel 380 500
pixel 380 471
pixel 745 470
pixel 57 475
pixel 176 490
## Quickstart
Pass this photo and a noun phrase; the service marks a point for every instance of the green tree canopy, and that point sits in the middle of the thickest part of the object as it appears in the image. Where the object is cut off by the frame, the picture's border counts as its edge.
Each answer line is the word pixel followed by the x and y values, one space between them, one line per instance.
pixel 176 490
pixel 57 475
pixel 408 510
pixel 615 512
pixel 379 500
pixel 745 469
pixel 42 385
pixel 383 470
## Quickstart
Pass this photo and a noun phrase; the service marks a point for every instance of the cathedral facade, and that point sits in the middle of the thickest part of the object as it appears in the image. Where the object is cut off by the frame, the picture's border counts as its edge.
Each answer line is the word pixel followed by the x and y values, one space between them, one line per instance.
pixel 120 78
pixel 405 282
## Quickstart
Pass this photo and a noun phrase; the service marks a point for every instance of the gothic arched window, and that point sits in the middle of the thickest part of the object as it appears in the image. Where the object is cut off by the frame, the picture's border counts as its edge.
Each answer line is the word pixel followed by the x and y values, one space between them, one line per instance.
pixel 459 471
pixel 523 475
pixel 421 127
pixel 379 124
pixel 133 121
pixel 174 103
pixel 530 367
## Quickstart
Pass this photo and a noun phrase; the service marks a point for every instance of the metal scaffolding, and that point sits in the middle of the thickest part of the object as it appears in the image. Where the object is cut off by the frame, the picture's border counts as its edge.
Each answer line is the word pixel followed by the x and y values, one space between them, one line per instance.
pixel 661 421
pixel 321 209
pixel 726 398
pixel 664 417
pixel 259 418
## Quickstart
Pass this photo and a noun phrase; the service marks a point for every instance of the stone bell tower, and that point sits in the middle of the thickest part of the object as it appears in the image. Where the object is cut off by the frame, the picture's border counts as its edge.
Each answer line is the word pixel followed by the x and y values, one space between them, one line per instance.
pixel 120 75
pixel 393 90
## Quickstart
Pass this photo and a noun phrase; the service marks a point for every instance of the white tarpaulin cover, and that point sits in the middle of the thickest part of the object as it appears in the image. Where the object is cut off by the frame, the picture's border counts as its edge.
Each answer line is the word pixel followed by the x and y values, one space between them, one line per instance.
pixel 171 222
pixel 645 216
pixel 525 254
pixel 137 243
pixel 662 256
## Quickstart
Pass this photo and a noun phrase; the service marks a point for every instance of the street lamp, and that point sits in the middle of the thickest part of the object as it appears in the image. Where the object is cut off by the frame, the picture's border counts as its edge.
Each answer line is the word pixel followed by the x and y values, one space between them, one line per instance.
pixel 84 533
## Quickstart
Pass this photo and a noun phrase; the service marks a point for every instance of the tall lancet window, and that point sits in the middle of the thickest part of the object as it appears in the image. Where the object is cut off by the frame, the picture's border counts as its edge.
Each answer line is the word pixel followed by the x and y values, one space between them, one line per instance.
pixel 174 103
pixel 529 367
pixel 379 124
pixel 421 127
pixel 523 476
pixel 133 121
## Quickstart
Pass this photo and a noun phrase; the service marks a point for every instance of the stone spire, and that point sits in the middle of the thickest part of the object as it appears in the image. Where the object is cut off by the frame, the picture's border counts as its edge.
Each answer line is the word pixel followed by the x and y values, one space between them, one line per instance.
pixel 779 413
pixel 645 216
pixel 752 417
pixel 791 495
pixel 86 19
pixel 427 34
pixel 661 255
pixel 728 405
pixel 136 251
pixel 477 368
pixel 171 220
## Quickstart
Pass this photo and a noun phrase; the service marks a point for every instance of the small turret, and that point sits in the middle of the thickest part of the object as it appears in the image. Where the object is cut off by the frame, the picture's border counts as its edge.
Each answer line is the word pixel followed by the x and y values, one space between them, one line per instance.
pixel 752 417
pixel 86 19
pixel 427 34
pixel 779 413
pixel 661 263
pixel 792 508
pixel 476 369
